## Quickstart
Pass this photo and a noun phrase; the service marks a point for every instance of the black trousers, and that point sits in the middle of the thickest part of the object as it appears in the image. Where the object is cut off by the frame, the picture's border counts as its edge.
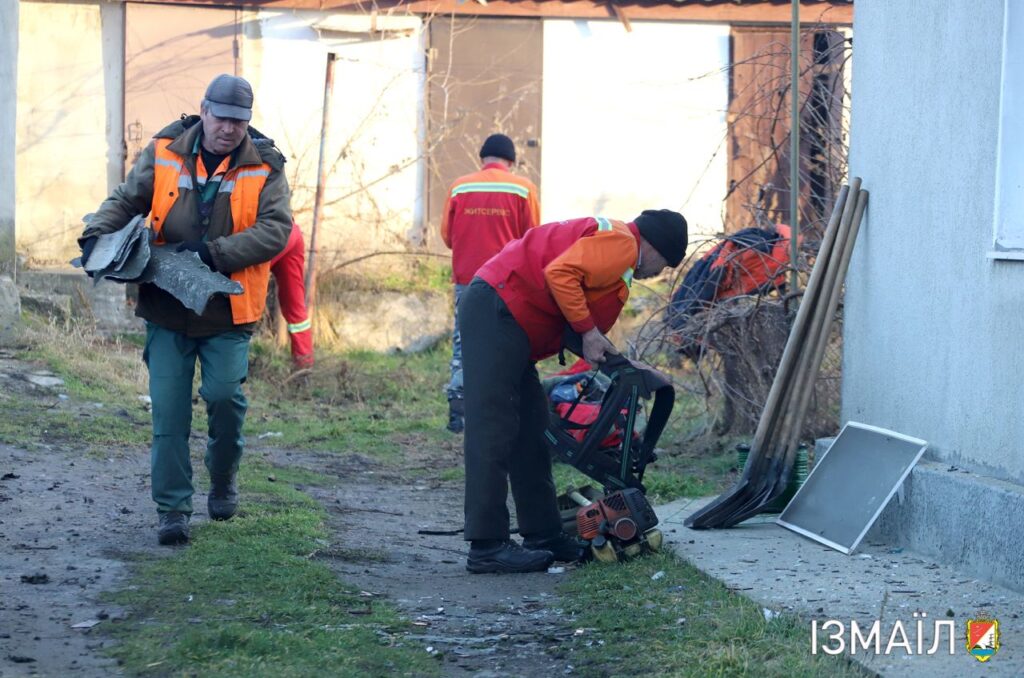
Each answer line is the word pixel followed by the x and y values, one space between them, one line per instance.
pixel 506 414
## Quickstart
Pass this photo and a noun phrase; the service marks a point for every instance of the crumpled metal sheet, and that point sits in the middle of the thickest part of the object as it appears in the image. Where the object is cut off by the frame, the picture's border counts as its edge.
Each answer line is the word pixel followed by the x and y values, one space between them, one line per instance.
pixel 129 252
pixel 186 277
pixel 135 263
pixel 111 248
pixel 127 255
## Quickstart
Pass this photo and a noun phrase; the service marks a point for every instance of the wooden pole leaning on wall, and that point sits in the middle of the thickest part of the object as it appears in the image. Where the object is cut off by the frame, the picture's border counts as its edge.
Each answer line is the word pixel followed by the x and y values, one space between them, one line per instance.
pixel 774 446
pixel 321 181
pixel 821 343
pixel 819 322
pixel 791 353
pixel 812 350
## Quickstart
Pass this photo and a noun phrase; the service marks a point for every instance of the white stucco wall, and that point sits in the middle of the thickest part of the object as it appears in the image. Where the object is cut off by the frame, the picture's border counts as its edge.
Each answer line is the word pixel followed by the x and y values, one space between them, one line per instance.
pixel 634 120
pixel 112 20
pixel 932 327
pixel 62 130
pixel 376 118
pixel 8 112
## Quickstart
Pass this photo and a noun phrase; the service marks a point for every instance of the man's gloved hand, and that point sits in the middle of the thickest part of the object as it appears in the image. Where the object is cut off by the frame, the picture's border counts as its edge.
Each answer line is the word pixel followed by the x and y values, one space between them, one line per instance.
pixel 595 346
pixel 87 247
pixel 200 248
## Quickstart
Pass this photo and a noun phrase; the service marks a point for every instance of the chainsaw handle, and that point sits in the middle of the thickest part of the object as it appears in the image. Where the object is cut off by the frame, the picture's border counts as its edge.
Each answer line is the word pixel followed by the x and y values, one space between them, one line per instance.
pixel 613 362
pixel 573 342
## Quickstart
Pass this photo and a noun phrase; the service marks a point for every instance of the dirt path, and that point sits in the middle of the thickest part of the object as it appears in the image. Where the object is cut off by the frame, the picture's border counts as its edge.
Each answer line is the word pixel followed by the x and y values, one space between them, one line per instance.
pixel 70 523
pixel 478 625
pixel 66 524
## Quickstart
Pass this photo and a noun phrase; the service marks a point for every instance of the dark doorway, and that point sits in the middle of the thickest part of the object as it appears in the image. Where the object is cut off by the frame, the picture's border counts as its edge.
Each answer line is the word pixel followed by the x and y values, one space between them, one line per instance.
pixel 484 76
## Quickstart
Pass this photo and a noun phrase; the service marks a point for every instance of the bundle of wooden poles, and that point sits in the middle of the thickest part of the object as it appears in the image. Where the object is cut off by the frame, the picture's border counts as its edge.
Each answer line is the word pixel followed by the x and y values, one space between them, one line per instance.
pixel 773 450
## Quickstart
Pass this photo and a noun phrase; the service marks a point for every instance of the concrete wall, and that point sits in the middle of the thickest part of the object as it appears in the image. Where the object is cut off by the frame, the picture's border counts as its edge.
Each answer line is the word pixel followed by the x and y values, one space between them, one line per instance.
pixel 64 123
pixel 634 120
pixel 8 111
pixel 932 326
pixel 112 19
pixel 376 118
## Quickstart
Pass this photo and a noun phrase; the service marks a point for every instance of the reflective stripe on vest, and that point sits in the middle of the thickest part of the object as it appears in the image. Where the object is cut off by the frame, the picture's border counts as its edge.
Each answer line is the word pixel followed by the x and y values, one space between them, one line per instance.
pixel 229 185
pixel 170 176
pixel 295 328
pixel 606 225
pixel 491 187
pixel 168 162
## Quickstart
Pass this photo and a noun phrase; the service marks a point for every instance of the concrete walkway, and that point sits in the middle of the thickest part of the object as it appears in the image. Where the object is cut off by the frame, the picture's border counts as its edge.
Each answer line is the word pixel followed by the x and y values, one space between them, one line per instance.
pixel 786 572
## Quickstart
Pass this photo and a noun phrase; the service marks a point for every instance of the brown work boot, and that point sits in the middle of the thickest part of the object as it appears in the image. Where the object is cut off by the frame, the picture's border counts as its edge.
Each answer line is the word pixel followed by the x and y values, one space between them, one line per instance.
pixel 173 528
pixel 565 547
pixel 456 415
pixel 507 557
pixel 222 502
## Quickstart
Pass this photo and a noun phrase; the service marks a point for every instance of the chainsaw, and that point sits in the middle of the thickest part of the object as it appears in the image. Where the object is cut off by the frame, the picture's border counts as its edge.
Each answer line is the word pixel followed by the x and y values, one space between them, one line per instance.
pixel 619 524
pixel 620 461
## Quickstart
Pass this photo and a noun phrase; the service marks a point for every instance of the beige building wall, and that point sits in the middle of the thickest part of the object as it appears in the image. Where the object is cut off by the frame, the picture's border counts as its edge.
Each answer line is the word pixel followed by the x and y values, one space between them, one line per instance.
pixel 61 140
pixel 373 199
pixel 635 120
pixel 8 93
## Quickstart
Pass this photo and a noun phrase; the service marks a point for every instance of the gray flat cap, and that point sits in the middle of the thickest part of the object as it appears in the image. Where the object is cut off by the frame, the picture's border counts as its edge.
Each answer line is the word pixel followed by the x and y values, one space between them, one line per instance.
pixel 230 97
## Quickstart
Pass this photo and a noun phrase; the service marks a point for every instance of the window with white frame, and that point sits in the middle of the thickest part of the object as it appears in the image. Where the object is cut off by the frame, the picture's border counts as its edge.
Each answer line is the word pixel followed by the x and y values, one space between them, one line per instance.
pixel 1009 212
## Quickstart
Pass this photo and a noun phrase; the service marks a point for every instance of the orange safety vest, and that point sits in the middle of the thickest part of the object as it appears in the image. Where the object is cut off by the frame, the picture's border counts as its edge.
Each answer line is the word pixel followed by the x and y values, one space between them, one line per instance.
pixel 245 184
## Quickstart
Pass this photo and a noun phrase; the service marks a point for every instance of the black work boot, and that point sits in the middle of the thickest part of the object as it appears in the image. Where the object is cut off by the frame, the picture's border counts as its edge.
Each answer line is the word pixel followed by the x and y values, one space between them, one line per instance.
pixel 222 502
pixel 566 548
pixel 173 528
pixel 505 556
pixel 456 415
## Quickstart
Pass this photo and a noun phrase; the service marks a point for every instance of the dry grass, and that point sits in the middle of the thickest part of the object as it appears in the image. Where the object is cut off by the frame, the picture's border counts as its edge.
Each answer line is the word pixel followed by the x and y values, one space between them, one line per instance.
pixel 90 363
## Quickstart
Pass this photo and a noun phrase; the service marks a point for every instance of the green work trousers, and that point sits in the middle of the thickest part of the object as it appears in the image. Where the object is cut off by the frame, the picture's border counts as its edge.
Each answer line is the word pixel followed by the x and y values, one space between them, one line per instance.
pixel 171 359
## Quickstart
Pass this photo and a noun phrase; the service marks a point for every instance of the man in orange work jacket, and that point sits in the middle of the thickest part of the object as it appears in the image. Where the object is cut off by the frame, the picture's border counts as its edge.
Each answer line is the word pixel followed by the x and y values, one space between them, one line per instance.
pixel 515 312
pixel 484 211
pixel 216 187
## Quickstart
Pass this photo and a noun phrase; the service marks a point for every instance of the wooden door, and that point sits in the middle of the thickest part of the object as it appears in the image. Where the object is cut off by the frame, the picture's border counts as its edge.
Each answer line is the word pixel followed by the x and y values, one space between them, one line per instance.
pixel 484 76
pixel 759 123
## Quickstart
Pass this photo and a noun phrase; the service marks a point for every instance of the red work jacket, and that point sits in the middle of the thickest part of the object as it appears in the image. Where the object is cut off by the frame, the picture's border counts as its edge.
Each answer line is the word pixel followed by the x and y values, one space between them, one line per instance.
pixel 484 211
pixel 575 272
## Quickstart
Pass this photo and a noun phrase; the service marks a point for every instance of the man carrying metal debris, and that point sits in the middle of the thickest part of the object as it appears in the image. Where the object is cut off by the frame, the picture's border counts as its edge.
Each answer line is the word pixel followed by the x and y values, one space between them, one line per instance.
pixel 483 211
pixel 214 186
pixel 515 311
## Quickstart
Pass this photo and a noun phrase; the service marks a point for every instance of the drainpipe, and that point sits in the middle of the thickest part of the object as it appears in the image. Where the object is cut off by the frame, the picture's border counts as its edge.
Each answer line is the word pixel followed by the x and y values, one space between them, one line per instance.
pixel 794 145
pixel 318 204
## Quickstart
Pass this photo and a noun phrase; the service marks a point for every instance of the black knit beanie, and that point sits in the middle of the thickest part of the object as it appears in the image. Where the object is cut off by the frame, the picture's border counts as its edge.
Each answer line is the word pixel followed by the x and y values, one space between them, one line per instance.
pixel 498 146
pixel 666 231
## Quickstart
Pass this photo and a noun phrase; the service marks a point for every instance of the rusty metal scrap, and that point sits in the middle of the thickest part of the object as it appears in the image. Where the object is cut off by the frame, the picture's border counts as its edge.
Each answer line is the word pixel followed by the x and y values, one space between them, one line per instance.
pixel 111 248
pixel 186 277
pixel 127 255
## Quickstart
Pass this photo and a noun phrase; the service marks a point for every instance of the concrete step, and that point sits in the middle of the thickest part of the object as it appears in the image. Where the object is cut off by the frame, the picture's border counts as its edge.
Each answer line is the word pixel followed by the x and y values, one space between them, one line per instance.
pixel 106 304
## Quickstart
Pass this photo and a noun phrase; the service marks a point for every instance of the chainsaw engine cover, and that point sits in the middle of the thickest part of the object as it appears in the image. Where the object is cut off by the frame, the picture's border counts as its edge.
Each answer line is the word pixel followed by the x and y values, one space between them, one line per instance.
pixel 621 516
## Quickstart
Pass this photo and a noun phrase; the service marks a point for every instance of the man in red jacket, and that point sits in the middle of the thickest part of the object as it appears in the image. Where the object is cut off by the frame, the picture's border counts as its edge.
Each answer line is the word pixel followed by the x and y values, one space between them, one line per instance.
pixel 515 311
pixel 289 269
pixel 484 210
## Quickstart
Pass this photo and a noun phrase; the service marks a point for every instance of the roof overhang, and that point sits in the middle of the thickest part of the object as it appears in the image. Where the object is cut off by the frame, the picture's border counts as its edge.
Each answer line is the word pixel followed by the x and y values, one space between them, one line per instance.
pixel 812 12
